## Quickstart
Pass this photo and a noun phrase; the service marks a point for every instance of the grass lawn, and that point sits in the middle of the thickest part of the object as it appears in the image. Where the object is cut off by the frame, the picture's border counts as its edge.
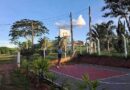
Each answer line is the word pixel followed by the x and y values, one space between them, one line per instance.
pixel 7 58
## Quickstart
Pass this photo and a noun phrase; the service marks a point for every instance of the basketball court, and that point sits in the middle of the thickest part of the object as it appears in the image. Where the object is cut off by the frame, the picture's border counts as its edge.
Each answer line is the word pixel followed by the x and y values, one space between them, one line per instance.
pixel 109 77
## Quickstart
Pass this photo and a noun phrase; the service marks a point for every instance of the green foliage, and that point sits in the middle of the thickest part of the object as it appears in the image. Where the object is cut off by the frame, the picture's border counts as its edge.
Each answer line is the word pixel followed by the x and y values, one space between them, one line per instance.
pixel 104 32
pixel 40 65
pixel 25 64
pixel 27 52
pixel 44 43
pixel 19 81
pixel 118 8
pixel 66 85
pixel 27 29
pixel 25 45
pixel 88 84
pixel 119 46
pixel 6 50
pixel 51 76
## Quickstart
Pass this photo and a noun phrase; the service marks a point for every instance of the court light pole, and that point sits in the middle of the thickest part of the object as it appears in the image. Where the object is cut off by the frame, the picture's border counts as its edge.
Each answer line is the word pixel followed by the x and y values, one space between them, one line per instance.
pixel 71 30
pixel 90 31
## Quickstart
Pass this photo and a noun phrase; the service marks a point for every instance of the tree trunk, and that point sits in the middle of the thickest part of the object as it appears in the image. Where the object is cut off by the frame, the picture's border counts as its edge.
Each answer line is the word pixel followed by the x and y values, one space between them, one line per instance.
pixel 128 23
pixel 27 46
pixel 32 35
pixel 44 53
pixel 98 46
pixel 108 46
pixel 125 46
pixel 95 47
pixel 65 51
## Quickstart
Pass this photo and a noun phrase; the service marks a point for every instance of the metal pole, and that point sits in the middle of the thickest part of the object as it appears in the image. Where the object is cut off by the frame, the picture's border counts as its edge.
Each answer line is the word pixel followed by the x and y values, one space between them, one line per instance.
pixel 71 30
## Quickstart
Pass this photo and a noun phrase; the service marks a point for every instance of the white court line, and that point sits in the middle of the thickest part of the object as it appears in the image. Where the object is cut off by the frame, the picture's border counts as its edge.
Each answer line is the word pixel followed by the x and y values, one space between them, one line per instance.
pixel 66 75
pixel 82 80
pixel 116 76
pixel 107 68
pixel 114 83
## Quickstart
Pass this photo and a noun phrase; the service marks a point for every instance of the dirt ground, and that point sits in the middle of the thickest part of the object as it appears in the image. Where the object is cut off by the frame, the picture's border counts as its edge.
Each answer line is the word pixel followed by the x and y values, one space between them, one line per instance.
pixel 5 70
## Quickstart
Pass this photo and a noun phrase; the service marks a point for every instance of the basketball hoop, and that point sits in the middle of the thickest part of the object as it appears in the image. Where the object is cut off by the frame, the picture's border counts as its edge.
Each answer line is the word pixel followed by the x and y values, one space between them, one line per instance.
pixel 64 33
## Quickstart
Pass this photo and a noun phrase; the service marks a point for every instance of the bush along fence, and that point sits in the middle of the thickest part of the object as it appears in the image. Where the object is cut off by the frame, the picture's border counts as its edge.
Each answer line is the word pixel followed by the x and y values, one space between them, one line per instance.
pixel 37 71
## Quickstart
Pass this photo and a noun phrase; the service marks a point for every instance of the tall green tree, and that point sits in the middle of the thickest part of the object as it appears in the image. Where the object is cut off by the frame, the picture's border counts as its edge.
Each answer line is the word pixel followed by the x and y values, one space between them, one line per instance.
pixel 44 44
pixel 95 38
pixel 109 35
pixel 121 34
pixel 27 29
pixel 118 8
pixel 104 32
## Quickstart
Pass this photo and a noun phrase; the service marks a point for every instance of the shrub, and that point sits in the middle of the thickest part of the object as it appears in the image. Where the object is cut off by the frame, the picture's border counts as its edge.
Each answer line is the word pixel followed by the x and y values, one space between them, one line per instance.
pixel 88 84
pixel 40 65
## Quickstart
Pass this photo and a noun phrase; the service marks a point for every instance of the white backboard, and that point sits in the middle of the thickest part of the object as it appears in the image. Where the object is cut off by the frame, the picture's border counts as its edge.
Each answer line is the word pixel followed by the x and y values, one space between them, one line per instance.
pixel 64 33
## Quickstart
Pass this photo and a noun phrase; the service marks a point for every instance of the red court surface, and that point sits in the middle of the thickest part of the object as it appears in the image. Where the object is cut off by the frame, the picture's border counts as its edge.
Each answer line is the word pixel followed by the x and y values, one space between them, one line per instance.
pixel 94 73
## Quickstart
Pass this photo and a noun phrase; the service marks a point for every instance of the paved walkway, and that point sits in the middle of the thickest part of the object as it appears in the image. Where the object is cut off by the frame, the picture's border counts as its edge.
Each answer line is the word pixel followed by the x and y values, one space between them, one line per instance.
pixel 110 78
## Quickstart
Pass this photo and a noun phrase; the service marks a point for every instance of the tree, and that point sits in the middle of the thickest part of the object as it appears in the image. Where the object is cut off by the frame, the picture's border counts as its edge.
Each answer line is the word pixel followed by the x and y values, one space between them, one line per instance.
pixel 44 44
pixel 25 45
pixel 95 37
pixel 109 36
pixel 63 44
pixel 97 33
pixel 103 32
pixel 27 29
pixel 118 8
pixel 122 38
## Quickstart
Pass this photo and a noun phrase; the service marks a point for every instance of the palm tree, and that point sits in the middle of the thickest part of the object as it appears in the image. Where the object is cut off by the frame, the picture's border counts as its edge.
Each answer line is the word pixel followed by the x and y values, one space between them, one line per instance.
pixel 122 37
pixel 44 44
pixel 63 44
pixel 118 8
pixel 110 35
pixel 95 37
pixel 104 32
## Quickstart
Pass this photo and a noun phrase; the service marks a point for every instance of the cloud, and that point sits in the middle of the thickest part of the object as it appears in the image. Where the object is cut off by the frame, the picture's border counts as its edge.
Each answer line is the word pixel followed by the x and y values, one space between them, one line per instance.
pixel 62 24
pixel 76 22
pixel 80 21
pixel 7 44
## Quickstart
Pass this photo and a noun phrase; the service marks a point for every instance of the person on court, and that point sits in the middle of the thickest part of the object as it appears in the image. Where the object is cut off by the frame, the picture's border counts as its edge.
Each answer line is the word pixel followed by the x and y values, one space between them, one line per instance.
pixel 59 53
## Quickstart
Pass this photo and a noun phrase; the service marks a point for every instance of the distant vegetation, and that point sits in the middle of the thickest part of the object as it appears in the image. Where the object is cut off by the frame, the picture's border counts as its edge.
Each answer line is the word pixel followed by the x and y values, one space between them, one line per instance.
pixel 6 50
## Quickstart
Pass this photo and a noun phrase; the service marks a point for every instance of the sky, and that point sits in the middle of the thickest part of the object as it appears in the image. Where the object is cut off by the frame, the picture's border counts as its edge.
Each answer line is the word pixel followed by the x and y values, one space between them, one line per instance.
pixel 49 12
